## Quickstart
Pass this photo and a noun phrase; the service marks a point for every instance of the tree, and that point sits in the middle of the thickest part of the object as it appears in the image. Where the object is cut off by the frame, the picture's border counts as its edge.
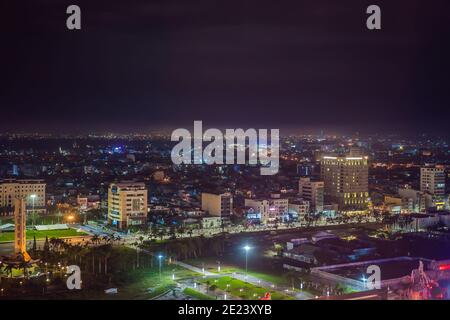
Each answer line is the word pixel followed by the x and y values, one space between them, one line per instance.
pixel 117 238
pixel 181 231
pixel 34 248
pixel 172 232
pixel 161 233
pixel 24 266
pixel 8 269
pixel 213 288
pixel 95 239
pixel 46 249
pixel 291 276
pixel 154 231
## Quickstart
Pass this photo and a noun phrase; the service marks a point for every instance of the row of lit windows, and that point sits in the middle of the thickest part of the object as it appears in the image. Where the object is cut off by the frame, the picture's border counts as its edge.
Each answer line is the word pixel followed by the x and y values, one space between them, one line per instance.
pixel 356 195
pixel 354 202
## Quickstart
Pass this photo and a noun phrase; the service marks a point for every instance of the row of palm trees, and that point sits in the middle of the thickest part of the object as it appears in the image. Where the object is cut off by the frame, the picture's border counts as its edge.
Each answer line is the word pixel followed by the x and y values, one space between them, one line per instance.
pixel 185 248
pixel 57 251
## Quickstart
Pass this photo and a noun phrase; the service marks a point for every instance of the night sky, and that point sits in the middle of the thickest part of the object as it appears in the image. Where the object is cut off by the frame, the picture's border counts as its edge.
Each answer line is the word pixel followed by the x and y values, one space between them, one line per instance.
pixel 143 64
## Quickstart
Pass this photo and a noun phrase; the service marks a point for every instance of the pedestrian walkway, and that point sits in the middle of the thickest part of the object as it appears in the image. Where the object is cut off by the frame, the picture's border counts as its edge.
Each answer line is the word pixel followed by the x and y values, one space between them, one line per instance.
pixel 193 268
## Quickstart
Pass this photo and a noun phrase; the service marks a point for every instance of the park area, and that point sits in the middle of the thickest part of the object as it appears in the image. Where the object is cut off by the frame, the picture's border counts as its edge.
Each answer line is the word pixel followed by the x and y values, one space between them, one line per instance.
pixel 243 290
pixel 42 234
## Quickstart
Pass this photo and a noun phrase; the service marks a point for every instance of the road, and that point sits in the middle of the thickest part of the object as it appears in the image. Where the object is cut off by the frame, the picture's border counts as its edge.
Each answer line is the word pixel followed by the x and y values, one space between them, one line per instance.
pixel 131 238
pixel 7 247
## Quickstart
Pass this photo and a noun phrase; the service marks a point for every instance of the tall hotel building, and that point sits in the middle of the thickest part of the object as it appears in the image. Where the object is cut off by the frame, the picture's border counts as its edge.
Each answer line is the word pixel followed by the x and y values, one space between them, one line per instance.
pixel 32 191
pixel 127 204
pixel 346 181
pixel 432 180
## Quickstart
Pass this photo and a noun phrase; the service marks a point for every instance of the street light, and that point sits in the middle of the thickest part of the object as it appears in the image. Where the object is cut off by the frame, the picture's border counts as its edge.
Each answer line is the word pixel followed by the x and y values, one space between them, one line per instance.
pixel 33 197
pixel 160 258
pixel 246 248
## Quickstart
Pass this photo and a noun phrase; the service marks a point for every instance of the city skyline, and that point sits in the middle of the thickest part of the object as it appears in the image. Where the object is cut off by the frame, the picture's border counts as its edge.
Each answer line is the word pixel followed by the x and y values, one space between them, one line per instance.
pixel 301 64
pixel 225 152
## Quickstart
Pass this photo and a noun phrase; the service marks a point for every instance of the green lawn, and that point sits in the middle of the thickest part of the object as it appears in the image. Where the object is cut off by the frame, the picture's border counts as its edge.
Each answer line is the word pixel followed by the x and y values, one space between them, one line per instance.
pixel 279 280
pixel 225 268
pixel 244 290
pixel 9 236
pixel 147 284
pixel 196 294
pixel 141 284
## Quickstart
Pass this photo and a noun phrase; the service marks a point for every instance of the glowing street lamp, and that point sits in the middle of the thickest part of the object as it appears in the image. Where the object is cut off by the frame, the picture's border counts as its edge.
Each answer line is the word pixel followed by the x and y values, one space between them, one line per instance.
pixel 32 197
pixel 246 248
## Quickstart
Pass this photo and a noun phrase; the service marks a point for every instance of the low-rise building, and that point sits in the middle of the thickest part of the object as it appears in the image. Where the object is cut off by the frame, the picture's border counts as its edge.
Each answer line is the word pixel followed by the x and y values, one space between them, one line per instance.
pixel 271 209
pixel 217 204
pixel 299 208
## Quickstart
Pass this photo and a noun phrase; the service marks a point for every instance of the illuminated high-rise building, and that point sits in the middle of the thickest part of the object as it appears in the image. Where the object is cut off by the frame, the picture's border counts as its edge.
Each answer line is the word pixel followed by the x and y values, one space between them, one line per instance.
pixel 127 204
pixel 432 180
pixel 346 181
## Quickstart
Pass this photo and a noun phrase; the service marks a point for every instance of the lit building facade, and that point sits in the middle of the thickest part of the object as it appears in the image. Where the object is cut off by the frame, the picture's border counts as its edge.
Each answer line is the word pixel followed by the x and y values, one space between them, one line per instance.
pixel 299 208
pixel 432 180
pixel 127 204
pixel 270 209
pixel 32 191
pixel 312 191
pixel 217 204
pixel 346 181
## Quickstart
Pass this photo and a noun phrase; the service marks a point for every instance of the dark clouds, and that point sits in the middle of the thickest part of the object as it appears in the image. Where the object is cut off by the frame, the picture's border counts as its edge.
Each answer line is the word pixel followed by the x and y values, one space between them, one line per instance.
pixel 138 64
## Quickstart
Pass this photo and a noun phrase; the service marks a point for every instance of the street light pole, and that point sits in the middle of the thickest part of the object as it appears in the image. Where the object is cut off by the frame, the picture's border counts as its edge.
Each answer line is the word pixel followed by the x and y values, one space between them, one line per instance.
pixel 160 257
pixel 246 248
pixel 33 196
pixel 246 263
